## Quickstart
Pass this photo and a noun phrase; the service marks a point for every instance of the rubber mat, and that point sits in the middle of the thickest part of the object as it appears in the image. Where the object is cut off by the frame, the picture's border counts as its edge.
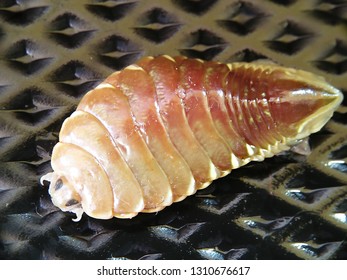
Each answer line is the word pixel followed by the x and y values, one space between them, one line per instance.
pixel 52 52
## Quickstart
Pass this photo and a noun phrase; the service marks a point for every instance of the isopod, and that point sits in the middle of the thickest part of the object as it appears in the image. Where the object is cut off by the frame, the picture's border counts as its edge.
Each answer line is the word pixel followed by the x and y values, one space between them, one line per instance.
pixel 163 128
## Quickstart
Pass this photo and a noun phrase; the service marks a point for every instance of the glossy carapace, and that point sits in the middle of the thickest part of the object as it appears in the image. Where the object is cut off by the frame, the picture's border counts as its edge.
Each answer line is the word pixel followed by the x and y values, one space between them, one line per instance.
pixel 163 128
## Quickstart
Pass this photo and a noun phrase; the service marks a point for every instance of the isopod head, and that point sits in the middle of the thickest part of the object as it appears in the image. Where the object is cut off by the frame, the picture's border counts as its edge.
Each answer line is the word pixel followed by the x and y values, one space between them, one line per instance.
pixel 63 194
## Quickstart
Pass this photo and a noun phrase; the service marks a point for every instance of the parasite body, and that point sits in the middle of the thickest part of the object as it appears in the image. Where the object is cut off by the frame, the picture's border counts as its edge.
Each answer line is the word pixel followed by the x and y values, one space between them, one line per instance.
pixel 163 128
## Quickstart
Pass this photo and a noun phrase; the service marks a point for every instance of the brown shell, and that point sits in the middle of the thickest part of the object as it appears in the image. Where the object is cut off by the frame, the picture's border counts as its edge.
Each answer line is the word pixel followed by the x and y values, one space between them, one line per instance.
pixel 161 129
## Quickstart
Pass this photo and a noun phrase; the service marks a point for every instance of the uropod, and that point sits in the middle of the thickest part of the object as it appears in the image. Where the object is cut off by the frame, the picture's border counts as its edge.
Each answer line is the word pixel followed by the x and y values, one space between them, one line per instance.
pixel 163 128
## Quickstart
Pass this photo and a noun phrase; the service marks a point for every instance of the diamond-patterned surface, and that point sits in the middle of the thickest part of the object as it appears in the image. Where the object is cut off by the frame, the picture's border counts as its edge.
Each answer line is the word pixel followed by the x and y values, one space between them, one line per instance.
pixel 69 31
pixel 243 18
pixel 74 78
pixel 291 38
pixel 157 25
pixel 52 52
pixel 195 6
pixel 22 12
pixel 117 52
pixel 330 11
pixel 26 57
pixel 110 10
pixel 335 59
pixel 203 44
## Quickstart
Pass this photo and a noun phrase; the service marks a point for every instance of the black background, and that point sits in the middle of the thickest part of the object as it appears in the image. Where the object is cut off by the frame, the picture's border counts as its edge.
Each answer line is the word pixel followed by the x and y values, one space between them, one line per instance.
pixel 52 52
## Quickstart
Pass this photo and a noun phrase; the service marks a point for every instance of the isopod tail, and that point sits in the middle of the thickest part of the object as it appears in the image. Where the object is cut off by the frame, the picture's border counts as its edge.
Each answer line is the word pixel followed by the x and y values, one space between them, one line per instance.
pixel 272 106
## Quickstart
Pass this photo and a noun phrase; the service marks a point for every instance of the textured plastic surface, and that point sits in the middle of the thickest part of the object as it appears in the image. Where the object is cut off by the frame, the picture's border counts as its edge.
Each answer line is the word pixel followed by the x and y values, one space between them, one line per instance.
pixel 52 52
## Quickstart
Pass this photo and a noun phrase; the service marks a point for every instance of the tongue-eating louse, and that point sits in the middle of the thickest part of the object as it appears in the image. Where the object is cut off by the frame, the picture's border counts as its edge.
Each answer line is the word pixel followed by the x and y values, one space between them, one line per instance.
pixel 163 128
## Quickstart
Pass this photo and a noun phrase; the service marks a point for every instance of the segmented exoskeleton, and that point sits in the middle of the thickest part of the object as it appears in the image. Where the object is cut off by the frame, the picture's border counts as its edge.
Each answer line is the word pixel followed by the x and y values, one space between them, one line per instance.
pixel 163 128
